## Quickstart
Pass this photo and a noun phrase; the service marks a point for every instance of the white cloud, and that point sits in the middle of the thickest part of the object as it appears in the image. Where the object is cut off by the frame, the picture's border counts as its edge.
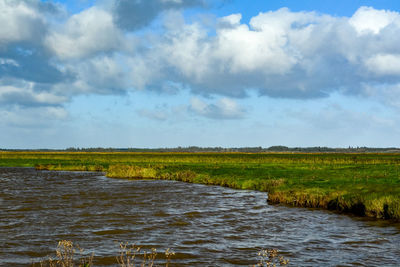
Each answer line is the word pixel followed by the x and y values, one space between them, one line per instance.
pixel 25 95
pixel 369 20
pixel 246 50
pixel 230 21
pixel 87 33
pixel 103 74
pixel 20 21
pixel 384 64
pixel 278 53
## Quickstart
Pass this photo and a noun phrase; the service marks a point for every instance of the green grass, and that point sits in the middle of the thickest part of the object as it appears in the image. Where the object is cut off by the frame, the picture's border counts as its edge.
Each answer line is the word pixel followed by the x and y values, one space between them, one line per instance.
pixel 362 184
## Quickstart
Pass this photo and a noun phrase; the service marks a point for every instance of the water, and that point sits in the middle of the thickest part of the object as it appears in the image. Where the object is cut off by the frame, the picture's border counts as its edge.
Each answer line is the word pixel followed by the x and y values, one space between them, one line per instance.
pixel 204 225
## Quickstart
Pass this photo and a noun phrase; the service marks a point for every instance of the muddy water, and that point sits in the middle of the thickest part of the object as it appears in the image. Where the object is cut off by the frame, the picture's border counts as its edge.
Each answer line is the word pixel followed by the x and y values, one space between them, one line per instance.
pixel 205 225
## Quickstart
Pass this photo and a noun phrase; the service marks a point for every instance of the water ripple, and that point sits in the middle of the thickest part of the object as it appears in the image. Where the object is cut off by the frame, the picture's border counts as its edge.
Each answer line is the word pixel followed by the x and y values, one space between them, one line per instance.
pixel 205 225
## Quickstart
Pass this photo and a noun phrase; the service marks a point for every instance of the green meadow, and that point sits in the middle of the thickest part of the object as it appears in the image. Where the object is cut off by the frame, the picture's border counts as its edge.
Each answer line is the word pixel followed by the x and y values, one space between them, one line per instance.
pixel 365 184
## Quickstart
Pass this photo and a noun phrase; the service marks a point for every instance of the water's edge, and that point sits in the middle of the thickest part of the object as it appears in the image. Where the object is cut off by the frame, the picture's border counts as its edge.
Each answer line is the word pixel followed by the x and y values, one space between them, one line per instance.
pixel 210 226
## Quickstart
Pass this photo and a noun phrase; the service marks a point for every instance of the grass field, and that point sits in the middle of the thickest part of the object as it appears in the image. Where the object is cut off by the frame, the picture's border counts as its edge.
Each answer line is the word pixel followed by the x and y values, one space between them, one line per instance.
pixel 362 184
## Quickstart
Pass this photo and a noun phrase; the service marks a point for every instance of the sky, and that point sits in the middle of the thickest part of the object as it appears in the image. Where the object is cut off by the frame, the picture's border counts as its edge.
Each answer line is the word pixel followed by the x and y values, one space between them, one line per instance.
pixel 229 73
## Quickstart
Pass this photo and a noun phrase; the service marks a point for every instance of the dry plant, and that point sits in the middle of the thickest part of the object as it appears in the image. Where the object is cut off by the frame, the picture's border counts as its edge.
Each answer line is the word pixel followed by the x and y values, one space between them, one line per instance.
pixel 129 253
pixel 65 253
pixel 168 256
pixel 270 258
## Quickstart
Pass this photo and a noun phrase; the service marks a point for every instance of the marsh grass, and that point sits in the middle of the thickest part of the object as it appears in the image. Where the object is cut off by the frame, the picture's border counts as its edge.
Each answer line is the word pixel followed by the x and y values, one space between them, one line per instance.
pixel 377 198
pixel 126 171
pixel 59 167
pixel 363 184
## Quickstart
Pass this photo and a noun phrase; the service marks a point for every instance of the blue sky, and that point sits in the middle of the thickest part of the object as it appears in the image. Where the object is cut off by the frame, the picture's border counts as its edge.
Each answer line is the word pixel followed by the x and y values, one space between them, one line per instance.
pixel 167 73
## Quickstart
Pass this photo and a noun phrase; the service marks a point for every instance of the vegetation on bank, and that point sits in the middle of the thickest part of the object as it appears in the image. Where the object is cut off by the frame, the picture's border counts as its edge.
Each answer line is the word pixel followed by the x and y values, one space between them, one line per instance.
pixel 362 184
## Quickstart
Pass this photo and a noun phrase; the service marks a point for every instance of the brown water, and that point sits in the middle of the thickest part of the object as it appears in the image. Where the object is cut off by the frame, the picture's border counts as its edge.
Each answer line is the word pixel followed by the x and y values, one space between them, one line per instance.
pixel 205 225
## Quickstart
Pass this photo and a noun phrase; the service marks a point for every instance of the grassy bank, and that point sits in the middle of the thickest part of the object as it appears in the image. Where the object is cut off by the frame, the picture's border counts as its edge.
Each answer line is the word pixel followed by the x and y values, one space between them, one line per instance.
pixel 362 184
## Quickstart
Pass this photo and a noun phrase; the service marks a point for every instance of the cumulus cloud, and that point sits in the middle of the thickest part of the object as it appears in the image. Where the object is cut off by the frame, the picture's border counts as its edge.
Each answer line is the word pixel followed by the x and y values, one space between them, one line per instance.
pixel 284 54
pixel 224 108
pixel 368 20
pixel 103 74
pixel 279 54
pixel 25 95
pixel 23 20
pixel 84 34
pixel 27 72
pixel 384 64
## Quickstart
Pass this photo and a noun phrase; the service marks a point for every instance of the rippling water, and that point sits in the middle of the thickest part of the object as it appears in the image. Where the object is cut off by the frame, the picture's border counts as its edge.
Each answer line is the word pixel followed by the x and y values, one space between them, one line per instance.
pixel 205 225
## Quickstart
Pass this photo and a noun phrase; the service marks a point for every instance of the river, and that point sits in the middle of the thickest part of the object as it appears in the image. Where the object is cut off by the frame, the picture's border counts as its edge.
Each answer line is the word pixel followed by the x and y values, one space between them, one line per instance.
pixel 204 225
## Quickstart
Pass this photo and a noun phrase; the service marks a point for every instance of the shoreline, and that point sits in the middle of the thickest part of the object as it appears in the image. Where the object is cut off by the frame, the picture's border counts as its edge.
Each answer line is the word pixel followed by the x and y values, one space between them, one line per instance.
pixel 353 206
pixel 360 184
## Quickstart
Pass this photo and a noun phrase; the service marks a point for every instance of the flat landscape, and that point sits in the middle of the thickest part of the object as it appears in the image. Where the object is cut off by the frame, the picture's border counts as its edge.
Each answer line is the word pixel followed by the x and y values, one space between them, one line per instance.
pixel 366 184
pixel 232 132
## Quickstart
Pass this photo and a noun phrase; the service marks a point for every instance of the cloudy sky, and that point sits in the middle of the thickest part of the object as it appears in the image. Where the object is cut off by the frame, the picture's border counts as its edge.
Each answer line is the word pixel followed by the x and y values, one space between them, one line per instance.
pixel 231 73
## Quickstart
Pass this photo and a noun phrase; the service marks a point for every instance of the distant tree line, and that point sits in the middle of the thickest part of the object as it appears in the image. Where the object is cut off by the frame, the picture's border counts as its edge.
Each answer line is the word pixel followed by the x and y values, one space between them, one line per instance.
pixel 259 149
